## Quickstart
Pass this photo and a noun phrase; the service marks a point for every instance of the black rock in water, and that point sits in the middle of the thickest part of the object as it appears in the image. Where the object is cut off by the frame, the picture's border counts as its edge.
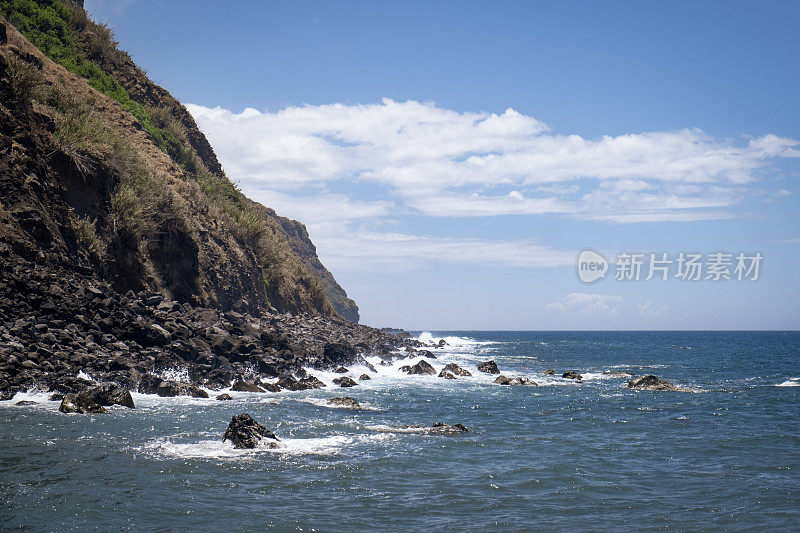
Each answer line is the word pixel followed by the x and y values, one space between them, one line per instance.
pixel 110 394
pixel 549 372
pixel 80 403
pixel 345 381
pixel 243 386
pixel 246 433
pixel 456 370
pixel 312 382
pixel 422 368
pixel 503 380
pixel 364 377
pixel 651 382
pixel 489 367
pixel 224 397
pixel 289 383
pixel 571 374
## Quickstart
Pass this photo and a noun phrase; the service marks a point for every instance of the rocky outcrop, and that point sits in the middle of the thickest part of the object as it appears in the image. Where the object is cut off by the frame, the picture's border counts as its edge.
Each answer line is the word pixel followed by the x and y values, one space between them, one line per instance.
pixel 246 433
pixel 439 428
pixel 151 384
pixel 456 370
pixel 571 374
pixel 224 397
pixel 422 368
pixel 110 394
pixel 80 403
pixel 489 367
pixel 344 401
pixel 243 386
pixel 345 381
pixel 503 380
pixel 652 383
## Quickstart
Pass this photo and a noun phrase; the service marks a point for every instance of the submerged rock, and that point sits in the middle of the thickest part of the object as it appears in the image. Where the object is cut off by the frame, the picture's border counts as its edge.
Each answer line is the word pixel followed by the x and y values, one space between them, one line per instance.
pixel 446 375
pixel 651 382
pixel 23 403
pixel 571 374
pixel 224 397
pixel 345 381
pixel 489 367
pixel 345 401
pixel 439 428
pixel 246 433
pixel 80 403
pixel 456 370
pixel 549 372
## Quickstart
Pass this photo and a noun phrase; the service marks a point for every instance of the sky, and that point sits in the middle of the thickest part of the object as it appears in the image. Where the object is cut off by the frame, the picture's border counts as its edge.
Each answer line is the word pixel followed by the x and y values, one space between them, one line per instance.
pixel 452 159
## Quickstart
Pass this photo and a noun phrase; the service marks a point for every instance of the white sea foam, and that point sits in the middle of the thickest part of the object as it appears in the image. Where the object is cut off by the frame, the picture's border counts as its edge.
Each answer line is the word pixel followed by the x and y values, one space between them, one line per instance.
pixel 216 449
pixel 174 374
pixel 323 402
pixel 429 338
pixel 83 375
pixel 791 382
pixel 42 398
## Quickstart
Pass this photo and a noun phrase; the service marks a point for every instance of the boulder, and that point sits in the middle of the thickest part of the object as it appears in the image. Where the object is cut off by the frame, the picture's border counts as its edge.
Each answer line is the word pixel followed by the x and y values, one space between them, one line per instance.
pixel 224 397
pixel 441 343
pixel 336 354
pixel 489 367
pixel 651 382
pixel 503 380
pixel 457 370
pixel 341 370
pixel 345 381
pixel 289 383
pixel 423 368
pixel 446 375
pixel 110 394
pixel 23 403
pixel 243 386
pixel 549 372
pixel 151 384
pixel 344 401
pixel 246 433
pixel 80 403
pixel 571 374
pixel 364 377
pixel 312 382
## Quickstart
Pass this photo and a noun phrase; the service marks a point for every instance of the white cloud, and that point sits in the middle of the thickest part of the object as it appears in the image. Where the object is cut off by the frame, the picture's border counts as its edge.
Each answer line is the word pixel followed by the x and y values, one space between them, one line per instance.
pixel 444 163
pixel 649 309
pixel 361 249
pixel 587 304
pixel 347 170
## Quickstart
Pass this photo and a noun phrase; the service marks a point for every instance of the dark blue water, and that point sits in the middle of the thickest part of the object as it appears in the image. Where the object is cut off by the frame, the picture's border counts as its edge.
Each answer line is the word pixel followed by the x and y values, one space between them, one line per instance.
pixel 567 456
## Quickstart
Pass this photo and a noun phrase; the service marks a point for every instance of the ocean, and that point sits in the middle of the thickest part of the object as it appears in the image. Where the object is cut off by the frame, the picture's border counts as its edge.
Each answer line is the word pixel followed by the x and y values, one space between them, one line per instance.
pixel 561 456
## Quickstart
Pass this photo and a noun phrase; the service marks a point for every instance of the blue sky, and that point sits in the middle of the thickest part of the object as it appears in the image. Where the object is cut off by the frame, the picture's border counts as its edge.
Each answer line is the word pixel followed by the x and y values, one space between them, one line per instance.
pixel 450 159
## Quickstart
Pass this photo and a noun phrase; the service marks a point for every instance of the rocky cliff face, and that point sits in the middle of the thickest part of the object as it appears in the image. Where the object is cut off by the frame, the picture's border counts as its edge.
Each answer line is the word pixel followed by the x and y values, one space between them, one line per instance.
pixel 103 172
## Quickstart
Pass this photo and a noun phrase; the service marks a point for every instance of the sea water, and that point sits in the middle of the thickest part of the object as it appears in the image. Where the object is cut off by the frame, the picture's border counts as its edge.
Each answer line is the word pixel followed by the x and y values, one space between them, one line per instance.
pixel 564 455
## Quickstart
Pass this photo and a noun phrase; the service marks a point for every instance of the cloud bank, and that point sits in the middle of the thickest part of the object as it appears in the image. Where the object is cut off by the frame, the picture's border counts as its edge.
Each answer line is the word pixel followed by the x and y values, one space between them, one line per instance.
pixel 334 165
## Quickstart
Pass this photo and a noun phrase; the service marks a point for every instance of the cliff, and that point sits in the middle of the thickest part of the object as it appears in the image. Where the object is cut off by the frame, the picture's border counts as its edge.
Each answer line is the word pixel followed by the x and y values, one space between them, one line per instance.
pixel 104 172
